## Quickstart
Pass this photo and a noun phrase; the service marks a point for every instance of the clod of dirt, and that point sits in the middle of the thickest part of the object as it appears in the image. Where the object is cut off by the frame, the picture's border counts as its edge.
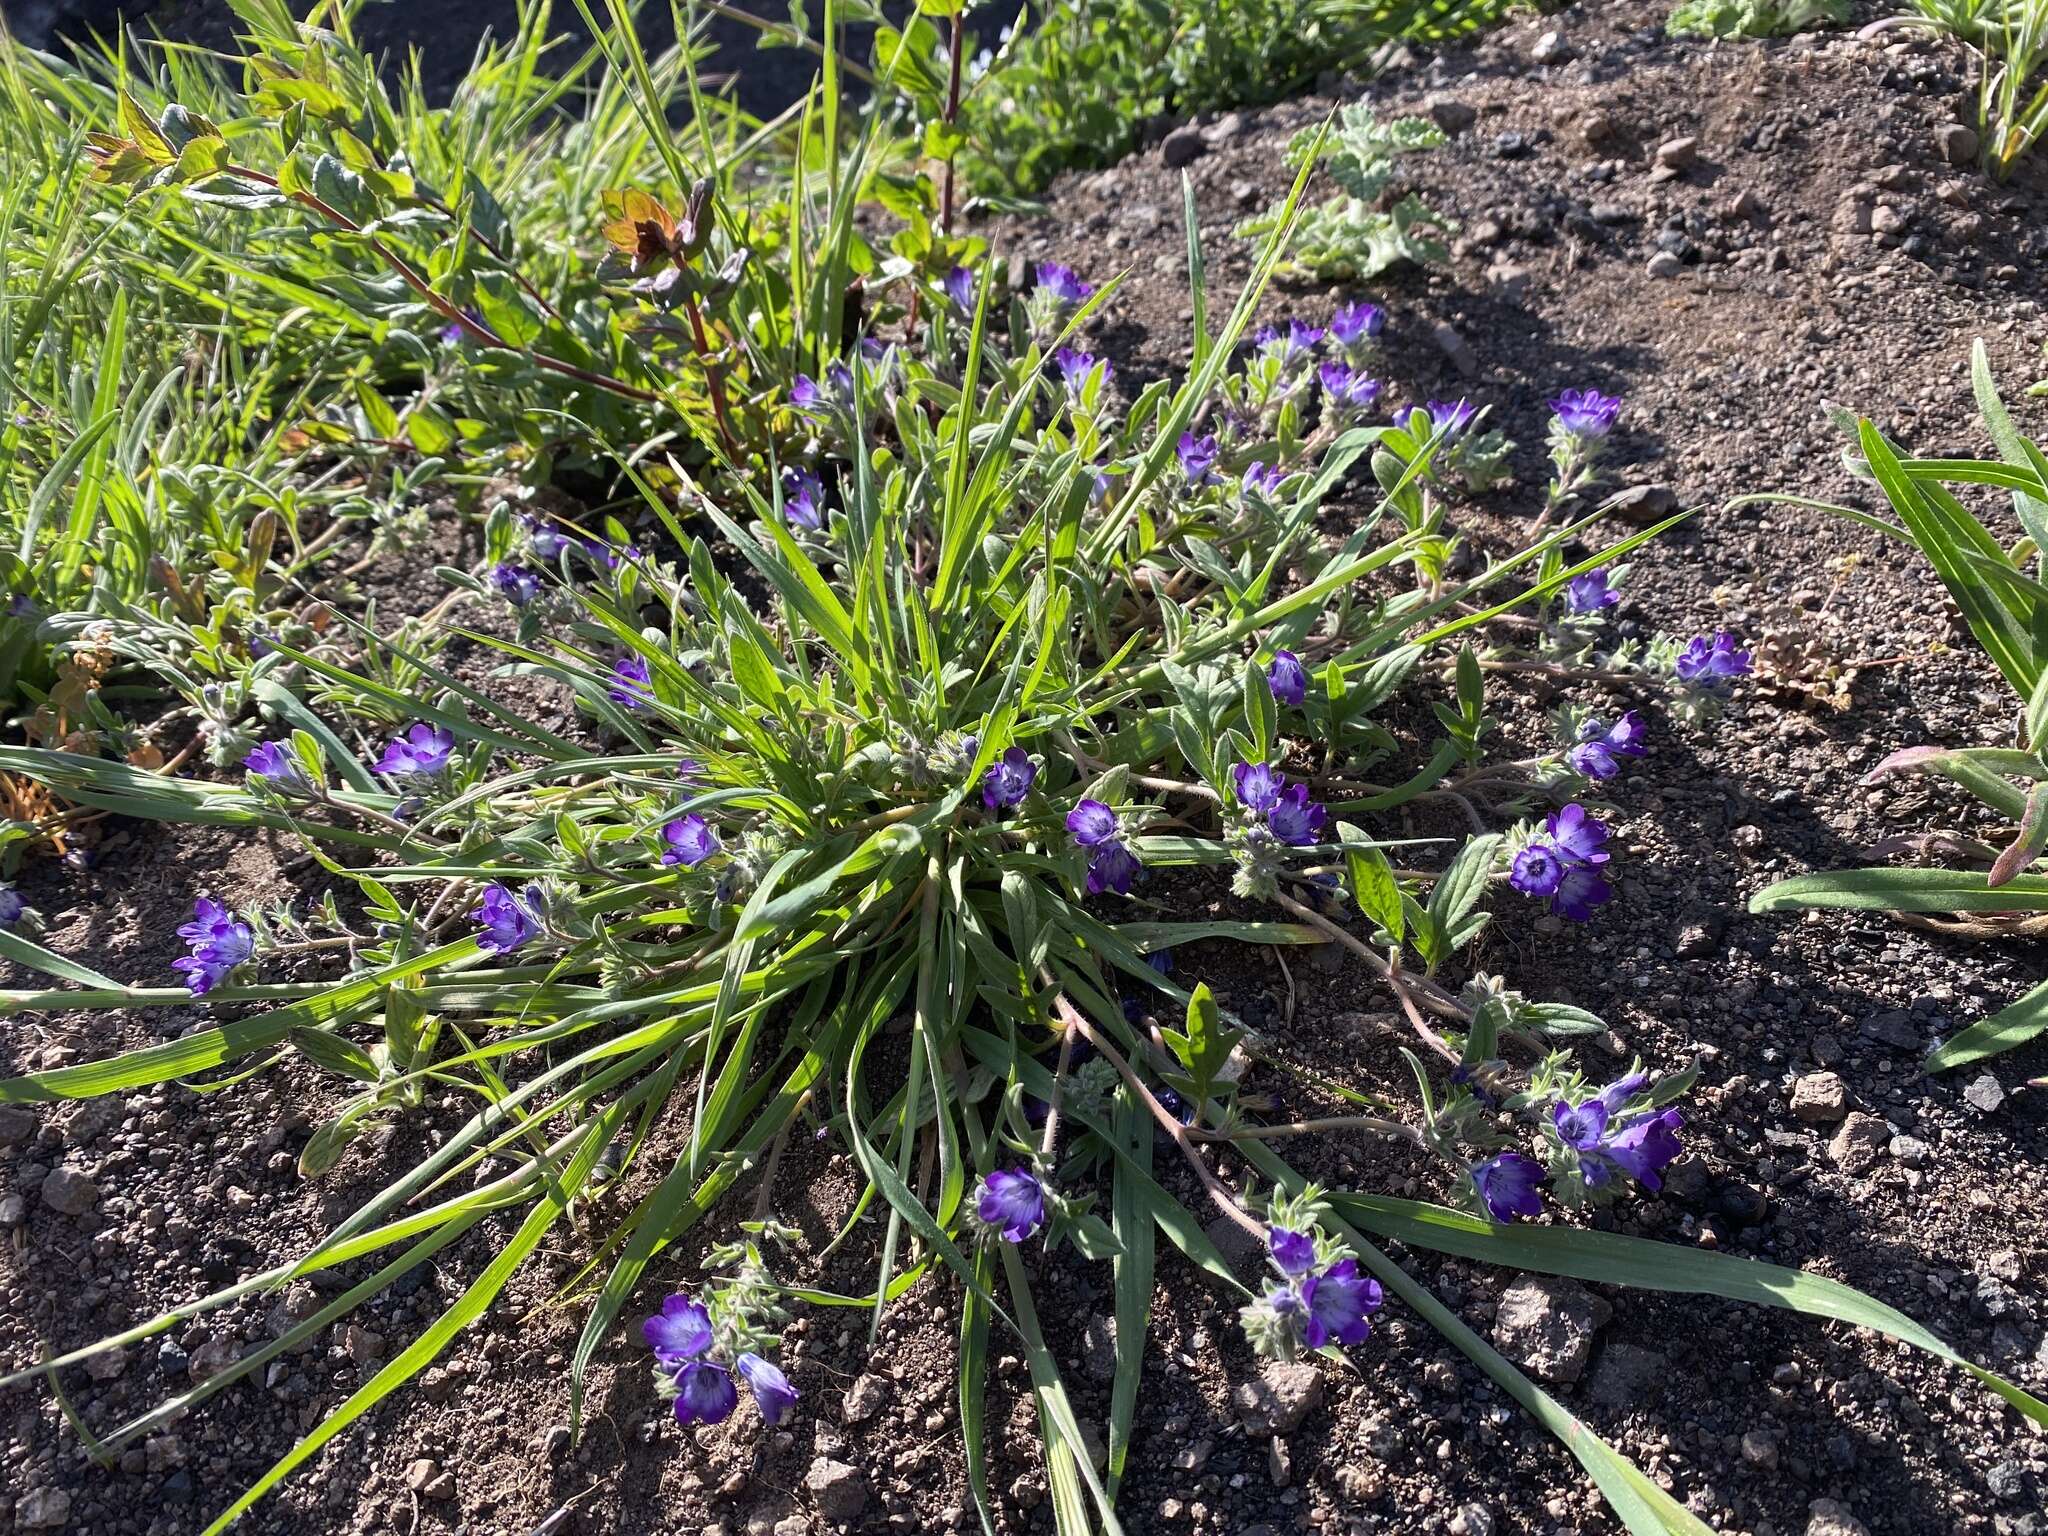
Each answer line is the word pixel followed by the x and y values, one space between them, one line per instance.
pixel 841 1491
pixel 1859 1143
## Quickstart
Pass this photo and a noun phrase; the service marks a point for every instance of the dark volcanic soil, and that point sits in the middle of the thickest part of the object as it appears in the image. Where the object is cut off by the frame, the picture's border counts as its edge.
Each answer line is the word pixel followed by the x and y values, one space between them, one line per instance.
pixel 1783 299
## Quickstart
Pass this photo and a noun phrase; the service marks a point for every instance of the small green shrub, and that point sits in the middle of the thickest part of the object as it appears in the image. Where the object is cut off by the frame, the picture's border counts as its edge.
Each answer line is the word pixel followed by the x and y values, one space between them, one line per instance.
pixel 1350 236
pixel 1755 18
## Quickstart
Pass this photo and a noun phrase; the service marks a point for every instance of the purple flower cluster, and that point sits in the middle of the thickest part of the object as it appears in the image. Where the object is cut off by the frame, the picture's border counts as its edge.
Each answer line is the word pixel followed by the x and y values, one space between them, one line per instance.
pixel 1008 780
pixel 1329 1303
pixel 1111 865
pixel 681 1337
pixel 1564 865
pixel 803 498
pixel 1586 414
pixel 1350 390
pixel 1198 457
pixel 1641 1146
pixel 1261 479
pixel 632 685
pixel 422 752
pixel 1355 325
pixel 1601 746
pixel 507 919
pixel 517 584
pixel 690 841
pixel 1077 367
pixel 219 942
pixel 1059 281
pixel 1451 417
pixel 1290 815
pixel 1011 1203
pixel 1589 593
pixel 1288 679
pixel 1712 663
pixel 276 765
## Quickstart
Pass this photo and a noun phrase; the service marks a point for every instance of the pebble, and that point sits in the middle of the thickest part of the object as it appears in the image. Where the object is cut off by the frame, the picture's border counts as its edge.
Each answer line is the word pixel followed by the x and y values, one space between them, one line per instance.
pixel 1895 1029
pixel 1859 1143
pixel 1546 1325
pixel 1183 146
pixel 868 1396
pixel 69 1192
pixel 1551 48
pixel 1285 1393
pixel 1760 1450
pixel 1450 114
pixel 1828 1517
pixel 1642 504
pixel 1911 1151
pixel 841 1491
pixel 1819 1098
pixel 1984 1095
pixel 1455 348
pixel 1664 264
pixel 43 1509
pixel 1676 155
pixel 1957 143
pixel 16 1125
pixel 1098 1347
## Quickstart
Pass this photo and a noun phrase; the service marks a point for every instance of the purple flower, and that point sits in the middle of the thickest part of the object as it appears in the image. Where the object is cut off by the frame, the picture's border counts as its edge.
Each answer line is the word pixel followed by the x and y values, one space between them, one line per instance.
pixel 1600 747
pixel 680 1331
pixel 276 764
pixel 1012 1201
pixel 1712 663
pixel 546 541
pixel 1295 819
pixel 219 941
pixel 1451 417
pixel 1261 479
pixel 1579 838
pixel 1355 323
pixel 1009 779
pixel 805 396
pixel 690 841
pixel 839 377
pixel 1593 760
pixel 1586 413
pixel 704 1393
pixel 1580 1126
pixel 470 325
pixel 420 753
pixel 507 920
pixel 1161 960
pixel 1507 1186
pixel 1589 593
pixel 1536 870
pixel 1578 893
pixel 1092 823
pixel 12 906
pixel 960 288
pixel 1348 387
pixel 1293 1252
pixel 632 684
pixel 1062 284
pixel 1620 1091
pixel 803 498
pixel 1645 1146
pixel 1258 786
pixel 1112 867
pixel 211 920
pixel 517 584
pixel 1076 367
pixel 773 1394
pixel 1288 679
pixel 1337 1301
pixel 1197 457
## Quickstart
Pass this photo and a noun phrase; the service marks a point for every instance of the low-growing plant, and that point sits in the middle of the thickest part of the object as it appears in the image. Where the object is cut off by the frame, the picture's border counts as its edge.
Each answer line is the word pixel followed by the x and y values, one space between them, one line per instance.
pixel 1349 236
pixel 2000 893
pixel 945 670
pixel 1755 18
pixel 2009 39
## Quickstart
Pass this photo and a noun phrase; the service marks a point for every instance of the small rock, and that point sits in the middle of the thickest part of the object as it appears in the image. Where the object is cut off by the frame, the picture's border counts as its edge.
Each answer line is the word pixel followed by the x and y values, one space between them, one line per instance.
pixel 1957 143
pixel 1895 1029
pixel 1853 214
pixel 1760 1450
pixel 841 1491
pixel 1551 48
pixel 1098 1347
pixel 16 1125
pixel 868 1396
pixel 1192 1458
pixel 1678 154
pixel 1546 1326
pixel 13 1210
pixel 43 1509
pixel 1450 114
pixel 1859 1143
pixel 107 1364
pixel 2007 1481
pixel 1984 1095
pixel 430 1480
pixel 1819 1098
pixel 361 1344
pixel 1744 205
pixel 213 1357
pixel 1887 220
pixel 1183 146
pixel 1642 504
pixel 1911 1151
pixel 69 1192
pixel 1227 127
pixel 1701 936
pixel 1454 347
pixel 1284 1395
pixel 1473 1520
pixel 1830 1518
pixel 1664 264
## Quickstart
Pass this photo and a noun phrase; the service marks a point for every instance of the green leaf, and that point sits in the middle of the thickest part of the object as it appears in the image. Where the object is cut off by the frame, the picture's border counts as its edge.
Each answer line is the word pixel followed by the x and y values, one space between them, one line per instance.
pixel 1904 890
pixel 336 1054
pixel 1374 888
pixel 2009 1027
pixel 1204 1047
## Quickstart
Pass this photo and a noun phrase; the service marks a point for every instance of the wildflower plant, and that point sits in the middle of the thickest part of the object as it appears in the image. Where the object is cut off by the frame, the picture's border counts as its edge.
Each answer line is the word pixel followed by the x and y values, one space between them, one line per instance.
pixel 2002 891
pixel 939 762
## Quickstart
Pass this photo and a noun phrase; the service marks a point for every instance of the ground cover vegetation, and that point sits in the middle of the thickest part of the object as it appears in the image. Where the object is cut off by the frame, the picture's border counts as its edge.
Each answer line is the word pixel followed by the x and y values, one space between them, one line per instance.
pixel 946 665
